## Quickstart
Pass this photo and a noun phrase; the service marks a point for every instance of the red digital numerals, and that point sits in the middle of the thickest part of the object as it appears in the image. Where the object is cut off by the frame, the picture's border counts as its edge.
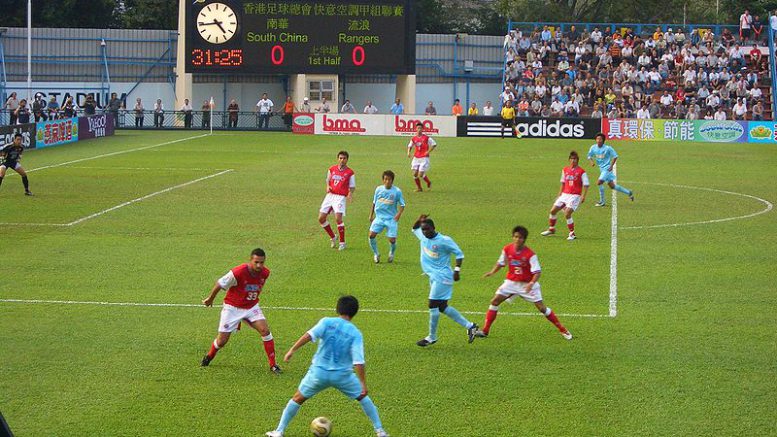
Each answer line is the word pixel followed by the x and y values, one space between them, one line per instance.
pixel 223 58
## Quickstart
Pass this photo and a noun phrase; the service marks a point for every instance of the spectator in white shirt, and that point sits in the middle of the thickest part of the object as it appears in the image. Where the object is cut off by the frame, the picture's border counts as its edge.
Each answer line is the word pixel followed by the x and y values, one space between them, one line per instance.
pixel 348 108
pixel 740 110
pixel 720 114
pixel 370 108
pixel 488 109
pixel 264 109
pixel 643 113
pixel 745 20
pixel 556 108
pixel 756 93
pixel 666 99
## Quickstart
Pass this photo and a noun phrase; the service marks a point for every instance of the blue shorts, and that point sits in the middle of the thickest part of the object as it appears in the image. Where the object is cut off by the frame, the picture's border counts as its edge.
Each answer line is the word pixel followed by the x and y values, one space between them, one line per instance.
pixel 389 224
pixel 440 289
pixel 318 379
pixel 607 176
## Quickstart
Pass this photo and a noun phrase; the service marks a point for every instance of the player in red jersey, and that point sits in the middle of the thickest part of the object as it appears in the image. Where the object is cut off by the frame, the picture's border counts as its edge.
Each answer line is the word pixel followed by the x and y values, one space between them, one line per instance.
pixel 523 272
pixel 574 187
pixel 244 283
pixel 340 185
pixel 423 145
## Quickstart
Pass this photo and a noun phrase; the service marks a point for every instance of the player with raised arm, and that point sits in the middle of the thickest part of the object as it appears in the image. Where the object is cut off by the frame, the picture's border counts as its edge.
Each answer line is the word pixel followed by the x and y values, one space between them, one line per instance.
pixel 423 145
pixel 340 185
pixel 340 353
pixel 574 187
pixel 12 154
pixel 523 272
pixel 387 207
pixel 436 251
pixel 605 157
pixel 243 283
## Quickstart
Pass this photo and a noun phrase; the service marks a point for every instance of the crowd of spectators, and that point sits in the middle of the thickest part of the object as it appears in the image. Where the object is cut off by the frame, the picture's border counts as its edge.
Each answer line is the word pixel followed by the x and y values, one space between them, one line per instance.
pixel 667 74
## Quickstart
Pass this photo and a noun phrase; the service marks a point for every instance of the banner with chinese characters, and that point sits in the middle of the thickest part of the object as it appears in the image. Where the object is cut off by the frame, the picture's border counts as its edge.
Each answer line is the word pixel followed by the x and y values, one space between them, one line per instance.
pixel 762 132
pixel 56 132
pixel 716 131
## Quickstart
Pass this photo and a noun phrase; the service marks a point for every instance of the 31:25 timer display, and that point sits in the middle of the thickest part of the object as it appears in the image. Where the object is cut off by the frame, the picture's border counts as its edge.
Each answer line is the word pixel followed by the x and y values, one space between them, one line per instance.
pixel 223 57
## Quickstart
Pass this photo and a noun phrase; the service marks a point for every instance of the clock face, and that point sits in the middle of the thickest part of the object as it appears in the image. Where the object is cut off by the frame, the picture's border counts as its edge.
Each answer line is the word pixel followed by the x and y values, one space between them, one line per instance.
pixel 216 23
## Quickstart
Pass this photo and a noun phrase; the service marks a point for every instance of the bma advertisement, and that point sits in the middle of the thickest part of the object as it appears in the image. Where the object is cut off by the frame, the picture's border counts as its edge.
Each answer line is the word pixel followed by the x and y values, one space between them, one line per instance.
pixel 95 126
pixel 56 132
pixel 398 125
pixel 714 131
pixel 27 130
pixel 530 127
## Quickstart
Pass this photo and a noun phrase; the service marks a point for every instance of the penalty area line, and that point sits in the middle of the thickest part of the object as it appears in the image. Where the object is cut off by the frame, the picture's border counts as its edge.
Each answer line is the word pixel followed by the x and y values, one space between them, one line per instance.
pixel 614 255
pixel 279 308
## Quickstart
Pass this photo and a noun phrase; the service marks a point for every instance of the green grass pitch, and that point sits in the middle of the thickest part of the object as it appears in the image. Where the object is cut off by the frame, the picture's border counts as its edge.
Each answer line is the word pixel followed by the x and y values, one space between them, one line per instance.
pixel 691 351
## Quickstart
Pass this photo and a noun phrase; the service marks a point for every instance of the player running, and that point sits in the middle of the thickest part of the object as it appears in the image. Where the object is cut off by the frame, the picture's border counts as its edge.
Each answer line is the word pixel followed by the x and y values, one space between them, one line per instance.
pixel 574 187
pixel 523 272
pixel 340 185
pixel 340 352
pixel 12 154
pixel 606 157
pixel 436 251
pixel 423 145
pixel 244 283
pixel 387 207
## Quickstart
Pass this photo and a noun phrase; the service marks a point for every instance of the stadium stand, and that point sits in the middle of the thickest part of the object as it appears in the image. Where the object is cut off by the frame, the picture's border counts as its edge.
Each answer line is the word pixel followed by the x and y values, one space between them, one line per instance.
pixel 591 70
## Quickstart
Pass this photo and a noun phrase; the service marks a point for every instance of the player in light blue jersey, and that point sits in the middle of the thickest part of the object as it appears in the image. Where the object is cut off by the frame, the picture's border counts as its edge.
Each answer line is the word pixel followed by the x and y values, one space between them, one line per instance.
pixel 436 251
pixel 340 353
pixel 605 157
pixel 387 207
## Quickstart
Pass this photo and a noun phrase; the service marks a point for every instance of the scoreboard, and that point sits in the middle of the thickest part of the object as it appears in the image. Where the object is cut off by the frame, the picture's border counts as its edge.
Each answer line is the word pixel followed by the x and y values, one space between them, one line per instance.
pixel 295 37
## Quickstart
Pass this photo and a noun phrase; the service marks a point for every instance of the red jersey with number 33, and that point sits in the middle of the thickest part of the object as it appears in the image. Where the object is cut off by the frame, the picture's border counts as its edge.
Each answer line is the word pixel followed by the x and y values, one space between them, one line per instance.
pixel 573 180
pixel 521 265
pixel 245 294
pixel 340 180
pixel 421 144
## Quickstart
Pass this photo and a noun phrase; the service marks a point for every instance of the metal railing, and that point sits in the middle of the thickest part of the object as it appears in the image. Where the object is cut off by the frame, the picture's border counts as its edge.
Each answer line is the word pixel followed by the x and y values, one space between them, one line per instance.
pixel 221 120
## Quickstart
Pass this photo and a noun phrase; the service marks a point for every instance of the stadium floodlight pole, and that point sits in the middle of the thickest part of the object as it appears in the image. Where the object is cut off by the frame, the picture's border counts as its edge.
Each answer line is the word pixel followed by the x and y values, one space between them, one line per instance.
pixel 29 50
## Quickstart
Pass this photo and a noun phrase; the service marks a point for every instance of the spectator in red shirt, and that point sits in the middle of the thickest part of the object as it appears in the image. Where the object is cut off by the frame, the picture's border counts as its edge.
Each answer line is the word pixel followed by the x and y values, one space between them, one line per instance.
pixel 755 56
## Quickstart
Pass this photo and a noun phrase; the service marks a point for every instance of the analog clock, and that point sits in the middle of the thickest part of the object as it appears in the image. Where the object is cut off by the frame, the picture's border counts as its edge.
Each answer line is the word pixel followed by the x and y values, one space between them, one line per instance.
pixel 216 23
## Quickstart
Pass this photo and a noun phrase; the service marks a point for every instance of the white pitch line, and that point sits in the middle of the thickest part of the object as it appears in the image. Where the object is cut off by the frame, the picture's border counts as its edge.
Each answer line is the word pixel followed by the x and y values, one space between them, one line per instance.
pixel 280 308
pixel 769 207
pixel 145 168
pixel 147 196
pixel 614 254
pixel 120 152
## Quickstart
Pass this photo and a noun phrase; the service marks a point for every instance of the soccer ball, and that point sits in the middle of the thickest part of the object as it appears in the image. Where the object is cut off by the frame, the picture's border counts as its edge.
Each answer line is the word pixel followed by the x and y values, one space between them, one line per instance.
pixel 321 427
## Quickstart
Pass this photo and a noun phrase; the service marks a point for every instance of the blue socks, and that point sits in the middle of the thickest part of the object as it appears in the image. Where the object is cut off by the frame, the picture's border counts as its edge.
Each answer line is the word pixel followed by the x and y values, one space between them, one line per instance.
pixel 625 191
pixel 393 247
pixel 371 411
pixel 601 194
pixel 434 318
pixel 457 317
pixel 288 413
pixel 374 246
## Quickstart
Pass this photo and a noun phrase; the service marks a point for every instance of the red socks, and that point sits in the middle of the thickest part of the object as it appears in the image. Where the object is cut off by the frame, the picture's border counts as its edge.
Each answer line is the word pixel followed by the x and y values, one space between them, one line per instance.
pixel 328 229
pixel 552 222
pixel 490 317
pixel 269 349
pixel 213 350
pixel 571 225
pixel 418 183
pixel 341 231
pixel 428 182
pixel 551 316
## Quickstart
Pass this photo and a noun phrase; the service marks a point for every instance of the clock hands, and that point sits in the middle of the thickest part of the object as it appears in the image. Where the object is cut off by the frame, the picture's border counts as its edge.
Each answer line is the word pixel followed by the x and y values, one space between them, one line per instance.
pixel 214 23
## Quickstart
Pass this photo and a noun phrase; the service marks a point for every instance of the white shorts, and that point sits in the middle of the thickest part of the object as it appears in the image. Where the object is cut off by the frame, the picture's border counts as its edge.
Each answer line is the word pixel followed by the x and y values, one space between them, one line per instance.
pixel 420 164
pixel 333 202
pixel 232 316
pixel 511 288
pixel 568 200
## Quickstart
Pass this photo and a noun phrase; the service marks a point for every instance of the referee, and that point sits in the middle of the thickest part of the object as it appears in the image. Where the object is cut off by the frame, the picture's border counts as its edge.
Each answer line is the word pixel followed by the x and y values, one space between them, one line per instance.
pixel 12 154
pixel 508 118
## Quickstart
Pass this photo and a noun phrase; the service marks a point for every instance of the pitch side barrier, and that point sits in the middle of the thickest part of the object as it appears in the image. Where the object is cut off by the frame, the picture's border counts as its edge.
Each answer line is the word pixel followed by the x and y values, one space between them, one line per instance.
pixel 57 132
pixel 529 127
pixel 715 131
